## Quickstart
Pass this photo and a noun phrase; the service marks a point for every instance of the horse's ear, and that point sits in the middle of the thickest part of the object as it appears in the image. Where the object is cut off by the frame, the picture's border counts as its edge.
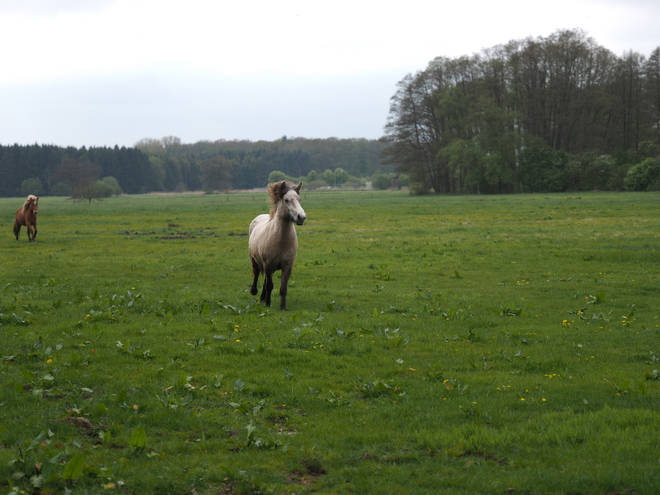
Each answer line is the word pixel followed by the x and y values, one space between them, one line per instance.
pixel 298 188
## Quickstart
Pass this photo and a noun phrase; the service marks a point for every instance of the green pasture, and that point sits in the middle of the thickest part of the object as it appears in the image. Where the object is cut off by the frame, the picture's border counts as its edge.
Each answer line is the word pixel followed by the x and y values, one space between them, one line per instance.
pixel 454 345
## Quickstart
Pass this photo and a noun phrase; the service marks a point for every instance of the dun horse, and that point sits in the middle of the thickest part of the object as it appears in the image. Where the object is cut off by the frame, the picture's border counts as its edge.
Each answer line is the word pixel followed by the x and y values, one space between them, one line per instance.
pixel 273 242
pixel 27 215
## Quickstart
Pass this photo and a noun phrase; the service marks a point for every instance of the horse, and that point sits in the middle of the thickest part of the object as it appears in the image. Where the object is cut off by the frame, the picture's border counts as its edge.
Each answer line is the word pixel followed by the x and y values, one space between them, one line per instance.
pixel 273 243
pixel 27 215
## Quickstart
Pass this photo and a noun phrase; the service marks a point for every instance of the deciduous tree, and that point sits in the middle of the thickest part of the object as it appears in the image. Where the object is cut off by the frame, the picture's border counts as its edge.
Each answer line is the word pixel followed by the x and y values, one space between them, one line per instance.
pixel 216 174
pixel 79 174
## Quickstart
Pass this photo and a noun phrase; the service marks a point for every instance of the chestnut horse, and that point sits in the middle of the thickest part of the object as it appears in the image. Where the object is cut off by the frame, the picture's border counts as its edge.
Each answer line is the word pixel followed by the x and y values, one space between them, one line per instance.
pixel 273 242
pixel 27 215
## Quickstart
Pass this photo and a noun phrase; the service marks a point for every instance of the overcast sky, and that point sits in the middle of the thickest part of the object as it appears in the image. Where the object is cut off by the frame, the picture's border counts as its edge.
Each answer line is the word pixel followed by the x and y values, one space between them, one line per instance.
pixel 111 72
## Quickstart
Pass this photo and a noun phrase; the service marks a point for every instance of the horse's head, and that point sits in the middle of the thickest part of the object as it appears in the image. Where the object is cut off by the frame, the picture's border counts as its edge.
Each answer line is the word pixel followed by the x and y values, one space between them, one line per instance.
pixel 293 206
pixel 287 195
pixel 32 204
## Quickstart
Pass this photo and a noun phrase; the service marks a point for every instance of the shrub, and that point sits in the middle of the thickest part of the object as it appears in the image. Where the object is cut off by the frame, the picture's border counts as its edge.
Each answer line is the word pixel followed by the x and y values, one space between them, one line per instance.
pixel 277 176
pixel 32 186
pixel 113 184
pixel 643 176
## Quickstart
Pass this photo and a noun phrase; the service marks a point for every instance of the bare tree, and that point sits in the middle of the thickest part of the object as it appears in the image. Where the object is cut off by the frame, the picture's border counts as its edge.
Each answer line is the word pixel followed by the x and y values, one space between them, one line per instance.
pixel 79 174
pixel 216 174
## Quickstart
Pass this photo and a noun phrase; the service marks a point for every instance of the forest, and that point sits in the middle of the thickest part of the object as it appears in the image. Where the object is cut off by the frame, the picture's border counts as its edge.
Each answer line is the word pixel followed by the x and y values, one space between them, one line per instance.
pixel 547 114
pixel 167 164
pixel 536 115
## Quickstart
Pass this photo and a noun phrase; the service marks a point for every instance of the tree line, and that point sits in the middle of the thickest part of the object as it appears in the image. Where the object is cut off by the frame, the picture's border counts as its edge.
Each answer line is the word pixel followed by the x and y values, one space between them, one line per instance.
pixel 168 165
pixel 540 115
pixel 243 164
pixel 77 172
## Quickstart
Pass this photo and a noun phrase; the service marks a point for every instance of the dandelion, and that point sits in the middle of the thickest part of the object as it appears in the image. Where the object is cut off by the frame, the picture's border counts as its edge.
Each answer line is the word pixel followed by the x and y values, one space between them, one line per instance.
pixel 49 361
pixel 522 399
pixel 238 340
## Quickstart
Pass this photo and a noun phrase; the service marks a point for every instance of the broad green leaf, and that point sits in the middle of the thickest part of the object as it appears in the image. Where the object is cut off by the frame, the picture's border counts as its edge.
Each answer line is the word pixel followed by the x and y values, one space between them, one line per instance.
pixel 138 438
pixel 74 468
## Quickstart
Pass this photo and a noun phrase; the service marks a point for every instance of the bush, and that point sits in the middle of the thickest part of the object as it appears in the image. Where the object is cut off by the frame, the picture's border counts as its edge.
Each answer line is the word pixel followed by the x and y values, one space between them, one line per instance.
pixel 113 184
pixel 32 186
pixel 644 176
pixel 542 168
pixel 590 172
pixel 277 176
pixel 381 182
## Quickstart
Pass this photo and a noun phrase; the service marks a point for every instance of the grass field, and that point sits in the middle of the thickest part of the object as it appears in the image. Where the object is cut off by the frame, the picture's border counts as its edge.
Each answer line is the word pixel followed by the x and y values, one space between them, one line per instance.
pixel 455 345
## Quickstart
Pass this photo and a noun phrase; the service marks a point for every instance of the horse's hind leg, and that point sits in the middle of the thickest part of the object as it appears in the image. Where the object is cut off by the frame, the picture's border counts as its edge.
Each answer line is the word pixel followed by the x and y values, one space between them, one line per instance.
pixel 31 232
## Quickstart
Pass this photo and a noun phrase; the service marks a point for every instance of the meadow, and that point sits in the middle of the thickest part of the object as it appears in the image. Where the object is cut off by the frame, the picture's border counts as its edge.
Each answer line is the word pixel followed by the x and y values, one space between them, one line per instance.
pixel 453 344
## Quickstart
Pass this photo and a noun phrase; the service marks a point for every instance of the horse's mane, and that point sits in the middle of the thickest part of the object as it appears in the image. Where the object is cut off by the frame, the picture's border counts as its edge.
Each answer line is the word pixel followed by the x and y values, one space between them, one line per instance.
pixel 276 191
pixel 29 200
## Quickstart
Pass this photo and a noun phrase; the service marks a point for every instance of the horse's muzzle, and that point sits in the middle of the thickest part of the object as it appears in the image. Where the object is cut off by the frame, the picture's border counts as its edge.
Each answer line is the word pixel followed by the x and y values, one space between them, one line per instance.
pixel 301 219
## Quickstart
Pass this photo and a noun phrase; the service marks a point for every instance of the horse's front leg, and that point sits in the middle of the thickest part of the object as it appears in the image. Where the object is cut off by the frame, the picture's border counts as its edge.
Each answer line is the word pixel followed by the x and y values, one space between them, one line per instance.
pixel 286 273
pixel 17 228
pixel 31 232
pixel 268 287
pixel 34 235
pixel 256 271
